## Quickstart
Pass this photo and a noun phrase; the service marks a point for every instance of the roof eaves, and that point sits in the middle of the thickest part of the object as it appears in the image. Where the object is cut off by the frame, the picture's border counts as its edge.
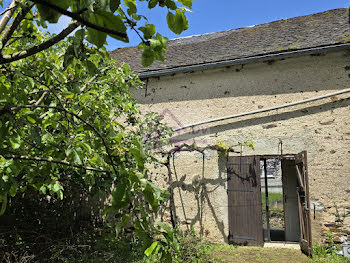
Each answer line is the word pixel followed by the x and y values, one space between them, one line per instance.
pixel 244 60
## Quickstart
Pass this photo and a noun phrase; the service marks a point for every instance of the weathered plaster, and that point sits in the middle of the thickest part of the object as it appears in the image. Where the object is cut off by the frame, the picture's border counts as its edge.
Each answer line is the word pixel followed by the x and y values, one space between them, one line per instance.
pixel 321 128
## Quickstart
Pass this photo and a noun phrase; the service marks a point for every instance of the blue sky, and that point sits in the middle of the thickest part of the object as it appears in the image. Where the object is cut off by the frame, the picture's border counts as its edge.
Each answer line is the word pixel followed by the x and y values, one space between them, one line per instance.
pixel 211 16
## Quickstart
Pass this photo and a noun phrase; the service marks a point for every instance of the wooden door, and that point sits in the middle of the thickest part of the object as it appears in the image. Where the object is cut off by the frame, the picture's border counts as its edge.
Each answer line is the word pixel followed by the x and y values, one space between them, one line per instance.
pixel 290 201
pixel 304 203
pixel 244 201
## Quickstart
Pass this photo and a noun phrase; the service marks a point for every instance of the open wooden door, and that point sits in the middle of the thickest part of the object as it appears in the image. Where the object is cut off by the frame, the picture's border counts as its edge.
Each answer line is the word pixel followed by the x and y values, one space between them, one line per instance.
pixel 304 203
pixel 290 200
pixel 244 201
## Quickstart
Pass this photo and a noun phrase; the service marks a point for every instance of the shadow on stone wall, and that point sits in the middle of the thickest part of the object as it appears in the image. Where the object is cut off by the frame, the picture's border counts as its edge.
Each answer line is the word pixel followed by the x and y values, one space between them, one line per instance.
pixel 202 189
pixel 252 121
pixel 273 77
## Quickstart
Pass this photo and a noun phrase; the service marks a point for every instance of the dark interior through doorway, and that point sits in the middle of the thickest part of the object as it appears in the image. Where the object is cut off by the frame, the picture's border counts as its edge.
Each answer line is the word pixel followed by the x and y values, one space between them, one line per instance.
pixel 279 184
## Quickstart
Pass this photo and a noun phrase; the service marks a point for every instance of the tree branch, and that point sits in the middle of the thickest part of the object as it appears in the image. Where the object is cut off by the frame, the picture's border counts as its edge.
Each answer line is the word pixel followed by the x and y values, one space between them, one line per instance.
pixel 31 51
pixel 194 148
pixel 133 28
pixel 6 18
pixel 8 109
pixel 41 98
pixel 11 7
pixel 77 17
pixel 43 84
pixel 49 160
pixel 93 78
pixel 171 191
pixel 11 29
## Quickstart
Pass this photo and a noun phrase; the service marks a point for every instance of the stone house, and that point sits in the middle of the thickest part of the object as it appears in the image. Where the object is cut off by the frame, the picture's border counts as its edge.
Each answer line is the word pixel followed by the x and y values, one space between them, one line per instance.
pixel 284 86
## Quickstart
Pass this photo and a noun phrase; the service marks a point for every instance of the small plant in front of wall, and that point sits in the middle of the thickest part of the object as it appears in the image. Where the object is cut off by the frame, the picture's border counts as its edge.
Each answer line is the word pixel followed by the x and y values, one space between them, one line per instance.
pixel 328 250
pixel 339 218
pixel 223 146
pixel 248 143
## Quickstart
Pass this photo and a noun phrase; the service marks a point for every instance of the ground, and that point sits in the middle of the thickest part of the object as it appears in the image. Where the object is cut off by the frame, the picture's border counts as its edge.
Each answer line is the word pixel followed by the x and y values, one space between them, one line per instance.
pixel 257 254
pixel 230 254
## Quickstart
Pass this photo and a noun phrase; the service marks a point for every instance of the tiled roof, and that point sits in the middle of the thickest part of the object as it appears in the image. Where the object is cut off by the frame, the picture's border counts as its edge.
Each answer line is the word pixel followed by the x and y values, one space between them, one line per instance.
pixel 321 29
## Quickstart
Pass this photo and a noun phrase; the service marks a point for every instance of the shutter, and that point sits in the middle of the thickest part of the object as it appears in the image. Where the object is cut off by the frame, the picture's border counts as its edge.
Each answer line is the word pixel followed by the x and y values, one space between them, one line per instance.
pixel 304 203
pixel 244 201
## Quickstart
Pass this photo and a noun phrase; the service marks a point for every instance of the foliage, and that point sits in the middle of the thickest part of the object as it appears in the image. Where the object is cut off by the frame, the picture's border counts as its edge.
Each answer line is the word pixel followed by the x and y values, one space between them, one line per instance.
pixel 95 18
pixel 328 249
pixel 194 249
pixel 100 245
pixel 183 247
pixel 249 143
pixel 67 116
pixel 320 255
pixel 78 124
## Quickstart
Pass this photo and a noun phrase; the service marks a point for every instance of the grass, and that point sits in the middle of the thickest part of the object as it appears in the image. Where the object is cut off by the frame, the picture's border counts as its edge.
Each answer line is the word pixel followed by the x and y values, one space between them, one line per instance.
pixel 276 212
pixel 273 197
pixel 231 254
pixel 101 246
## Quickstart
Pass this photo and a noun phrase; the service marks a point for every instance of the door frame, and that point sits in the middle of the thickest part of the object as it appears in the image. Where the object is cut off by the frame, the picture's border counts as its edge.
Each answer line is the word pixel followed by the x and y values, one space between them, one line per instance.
pixel 303 194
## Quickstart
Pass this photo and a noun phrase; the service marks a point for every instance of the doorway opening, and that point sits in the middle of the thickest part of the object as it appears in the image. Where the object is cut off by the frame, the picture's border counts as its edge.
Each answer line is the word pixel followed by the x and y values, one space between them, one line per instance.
pixel 279 199
pixel 272 205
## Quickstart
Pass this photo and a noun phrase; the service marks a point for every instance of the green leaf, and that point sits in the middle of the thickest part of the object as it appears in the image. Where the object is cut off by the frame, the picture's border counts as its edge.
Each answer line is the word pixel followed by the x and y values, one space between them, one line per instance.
pixel 131 4
pixel 56 187
pixel 43 189
pixel 31 82
pixel 143 235
pixel 30 119
pixel 4 204
pixel 114 4
pixel 120 198
pixel 50 14
pixel 152 3
pixel 13 190
pixel 167 229
pixel 187 3
pixel 91 67
pixel 166 257
pixel 36 136
pixel 76 157
pixel 60 194
pixel 139 154
pixel 151 248
pixel 170 4
pixel 15 142
pixel 5 178
pixel 147 57
pixel 149 196
pixel 78 41
pixel 111 21
pixel 68 57
pixel 148 30
pixel 124 221
pixel 104 5
pixel 94 36
pixel 249 143
pixel 178 22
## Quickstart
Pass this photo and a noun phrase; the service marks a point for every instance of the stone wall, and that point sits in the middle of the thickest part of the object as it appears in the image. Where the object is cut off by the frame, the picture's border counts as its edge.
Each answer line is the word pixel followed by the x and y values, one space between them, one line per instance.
pixel 321 128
